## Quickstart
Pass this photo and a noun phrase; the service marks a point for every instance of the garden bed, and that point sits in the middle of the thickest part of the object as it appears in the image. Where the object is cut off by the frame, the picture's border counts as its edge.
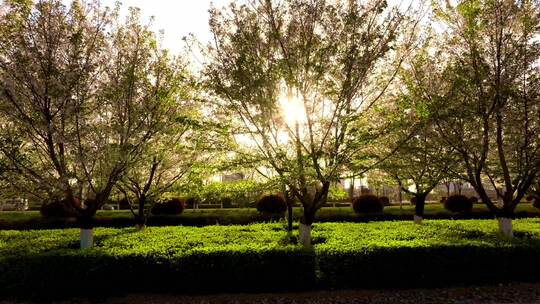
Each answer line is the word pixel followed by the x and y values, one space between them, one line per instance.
pixel 205 217
pixel 261 257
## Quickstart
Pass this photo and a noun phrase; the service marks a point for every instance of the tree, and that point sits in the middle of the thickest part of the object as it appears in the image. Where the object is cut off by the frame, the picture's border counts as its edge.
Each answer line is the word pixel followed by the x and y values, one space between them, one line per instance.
pixel 167 162
pixel 302 80
pixel 85 93
pixel 422 162
pixel 489 114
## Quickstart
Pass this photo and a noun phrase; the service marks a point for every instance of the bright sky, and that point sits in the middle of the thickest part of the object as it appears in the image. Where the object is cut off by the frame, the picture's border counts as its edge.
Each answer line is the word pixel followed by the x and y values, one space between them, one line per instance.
pixel 177 18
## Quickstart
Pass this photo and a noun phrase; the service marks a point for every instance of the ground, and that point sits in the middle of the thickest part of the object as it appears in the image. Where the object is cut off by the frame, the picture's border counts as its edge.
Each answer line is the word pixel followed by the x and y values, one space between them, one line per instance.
pixel 509 293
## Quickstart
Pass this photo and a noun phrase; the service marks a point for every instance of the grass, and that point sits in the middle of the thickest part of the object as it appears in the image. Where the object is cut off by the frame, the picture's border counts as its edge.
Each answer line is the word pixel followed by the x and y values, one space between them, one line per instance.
pixel 261 257
pixel 242 216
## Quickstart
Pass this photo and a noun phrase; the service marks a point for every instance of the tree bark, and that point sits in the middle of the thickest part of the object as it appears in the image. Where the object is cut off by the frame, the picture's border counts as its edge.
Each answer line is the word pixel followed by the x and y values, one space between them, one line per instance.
pixel 419 207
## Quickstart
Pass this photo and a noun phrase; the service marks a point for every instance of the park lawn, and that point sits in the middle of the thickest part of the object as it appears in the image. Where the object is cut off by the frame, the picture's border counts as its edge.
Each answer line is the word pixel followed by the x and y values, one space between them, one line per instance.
pixel 261 257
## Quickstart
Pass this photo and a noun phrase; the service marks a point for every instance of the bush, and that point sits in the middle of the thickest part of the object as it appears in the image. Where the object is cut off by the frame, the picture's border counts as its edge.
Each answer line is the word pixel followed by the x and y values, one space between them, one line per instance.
pixel 443 200
pixel 59 208
pixel 458 203
pixel 255 257
pixel 413 201
pixel 473 199
pixel 367 203
pixel 536 201
pixel 226 202
pixel 272 204
pixel 172 206
pixel 384 200
pixel 191 202
pixel 123 204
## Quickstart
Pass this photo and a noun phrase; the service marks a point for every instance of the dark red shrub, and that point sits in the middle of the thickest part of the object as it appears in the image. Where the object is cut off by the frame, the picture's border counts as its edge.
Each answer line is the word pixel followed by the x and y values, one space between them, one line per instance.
pixel 384 200
pixel 443 200
pixel 413 201
pixel 172 206
pixel 272 204
pixel 473 199
pixel 367 203
pixel 535 201
pixel 458 203
pixel 60 208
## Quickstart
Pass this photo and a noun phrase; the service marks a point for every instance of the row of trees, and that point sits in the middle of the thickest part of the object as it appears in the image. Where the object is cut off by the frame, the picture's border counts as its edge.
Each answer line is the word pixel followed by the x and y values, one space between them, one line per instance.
pixel 453 96
pixel 90 104
pixel 305 92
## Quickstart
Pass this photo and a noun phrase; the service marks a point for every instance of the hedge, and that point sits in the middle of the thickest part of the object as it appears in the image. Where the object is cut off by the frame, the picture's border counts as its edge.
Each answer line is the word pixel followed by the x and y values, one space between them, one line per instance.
pixel 119 219
pixel 261 258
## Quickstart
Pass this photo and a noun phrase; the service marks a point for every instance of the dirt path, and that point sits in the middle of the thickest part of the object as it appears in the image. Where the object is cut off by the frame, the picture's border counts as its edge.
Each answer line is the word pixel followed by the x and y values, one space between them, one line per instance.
pixel 510 293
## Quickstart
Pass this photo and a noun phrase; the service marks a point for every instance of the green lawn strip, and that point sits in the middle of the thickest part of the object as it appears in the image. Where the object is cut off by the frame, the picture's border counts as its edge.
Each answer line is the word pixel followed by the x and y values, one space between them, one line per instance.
pixel 259 257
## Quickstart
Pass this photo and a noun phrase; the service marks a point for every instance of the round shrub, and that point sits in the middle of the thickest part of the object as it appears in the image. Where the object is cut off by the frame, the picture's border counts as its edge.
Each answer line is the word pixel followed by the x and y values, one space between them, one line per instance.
pixel 123 204
pixel 443 200
pixel 458 203
pixel 413 201
pixel 226 202
pixel 473 199
pixel 535 201
pixel 271 204
pixel 169 207
pixel 192 202
pixel 367 203
pixel 60 208
pixel 384 200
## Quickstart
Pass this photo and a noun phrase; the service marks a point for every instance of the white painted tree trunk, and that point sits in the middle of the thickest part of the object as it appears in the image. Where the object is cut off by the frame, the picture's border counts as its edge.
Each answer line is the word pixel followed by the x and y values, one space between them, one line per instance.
pixel 304 236
pixel 417 220
pixel 505 227
pixel 87 238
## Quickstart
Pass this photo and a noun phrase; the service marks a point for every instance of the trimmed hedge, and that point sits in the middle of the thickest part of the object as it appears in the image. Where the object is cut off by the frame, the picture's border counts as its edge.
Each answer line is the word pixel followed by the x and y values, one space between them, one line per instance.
pixel 261 258
pixel 32 220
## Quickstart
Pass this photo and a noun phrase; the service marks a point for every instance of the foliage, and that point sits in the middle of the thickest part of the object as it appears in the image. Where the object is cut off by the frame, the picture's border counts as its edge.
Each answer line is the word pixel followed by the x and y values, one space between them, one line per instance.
pixel 58 209
pixel 86 94
pixel 384 200
pixel 272 204
pixel 336 193
pixel 171 206
pixel 458 203
pixel 232 258
pixel 242 193
pixel 302 81
pixel 31 220
pixel 487 102
pixel 367 203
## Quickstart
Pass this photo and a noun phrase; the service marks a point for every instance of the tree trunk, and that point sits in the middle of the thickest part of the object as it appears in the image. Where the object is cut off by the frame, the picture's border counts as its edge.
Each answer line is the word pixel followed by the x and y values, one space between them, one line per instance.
pixel 419 207
pixel 140 221
pixel 86 229
pixel 351 189
pixel 87 238
pixel 400 198
pixel 304 228
pixel 505 227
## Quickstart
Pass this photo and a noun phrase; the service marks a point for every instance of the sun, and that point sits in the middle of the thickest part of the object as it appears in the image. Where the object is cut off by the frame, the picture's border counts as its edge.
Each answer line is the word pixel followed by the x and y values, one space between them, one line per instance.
pixel 292 107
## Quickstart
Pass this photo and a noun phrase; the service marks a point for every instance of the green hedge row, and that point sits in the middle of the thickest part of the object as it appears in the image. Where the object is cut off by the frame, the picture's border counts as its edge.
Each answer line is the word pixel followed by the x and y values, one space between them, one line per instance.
pixel 119 219
pixel 261 257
